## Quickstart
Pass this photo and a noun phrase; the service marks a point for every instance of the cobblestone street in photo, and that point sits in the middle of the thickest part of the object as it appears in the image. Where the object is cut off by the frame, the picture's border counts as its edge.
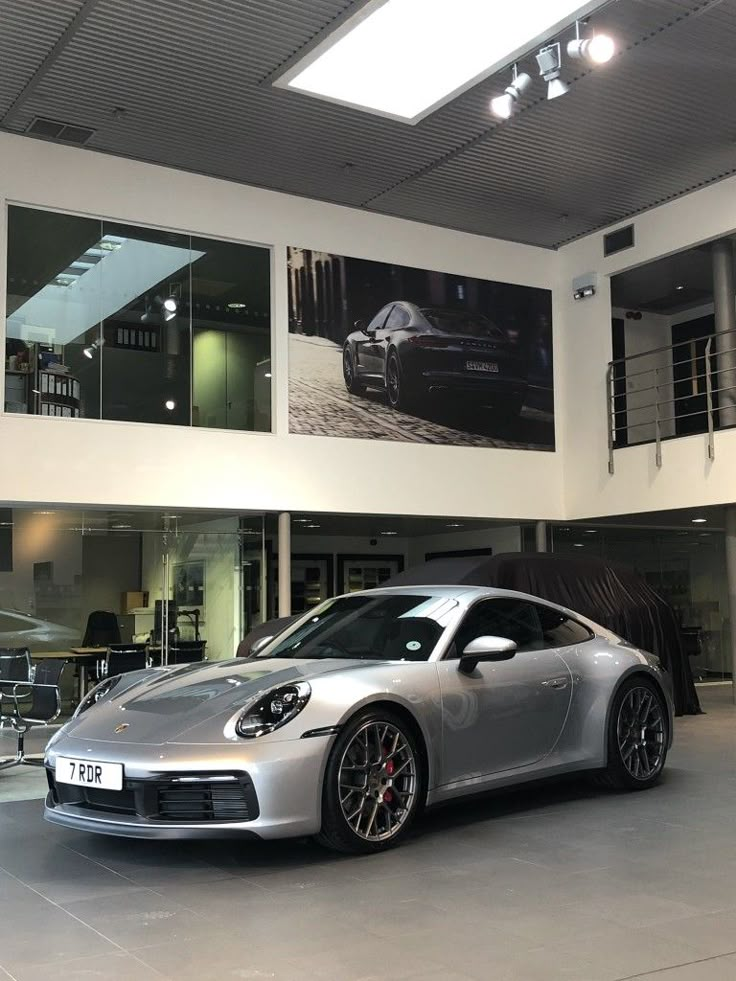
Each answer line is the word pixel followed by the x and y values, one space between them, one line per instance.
pixel 320 405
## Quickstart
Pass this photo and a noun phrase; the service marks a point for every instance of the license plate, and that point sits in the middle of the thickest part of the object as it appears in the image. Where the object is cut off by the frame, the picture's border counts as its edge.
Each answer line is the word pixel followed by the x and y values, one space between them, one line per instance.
pixel 88 773
pixel 490 366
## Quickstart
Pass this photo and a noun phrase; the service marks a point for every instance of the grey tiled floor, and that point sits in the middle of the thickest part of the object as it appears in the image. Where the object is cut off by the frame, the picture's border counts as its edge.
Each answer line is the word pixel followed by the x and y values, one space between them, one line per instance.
pixel 558 882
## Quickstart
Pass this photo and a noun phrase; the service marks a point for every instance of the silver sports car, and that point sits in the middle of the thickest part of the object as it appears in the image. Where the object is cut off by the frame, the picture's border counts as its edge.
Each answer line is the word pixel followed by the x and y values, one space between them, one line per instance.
pixel 364 711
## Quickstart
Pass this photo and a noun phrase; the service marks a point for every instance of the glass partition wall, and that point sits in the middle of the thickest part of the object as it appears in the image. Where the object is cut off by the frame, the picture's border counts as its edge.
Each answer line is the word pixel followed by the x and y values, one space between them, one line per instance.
pixel 162 579
pixel 114 321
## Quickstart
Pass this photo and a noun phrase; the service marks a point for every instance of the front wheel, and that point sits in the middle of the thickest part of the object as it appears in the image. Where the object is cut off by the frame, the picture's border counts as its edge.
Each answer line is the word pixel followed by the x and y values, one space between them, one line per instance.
pixel 374 784
pixel 638 731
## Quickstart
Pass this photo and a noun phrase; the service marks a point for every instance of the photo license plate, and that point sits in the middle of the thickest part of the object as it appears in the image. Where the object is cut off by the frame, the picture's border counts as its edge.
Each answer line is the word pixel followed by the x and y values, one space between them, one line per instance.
pixel 490 366
pixel 88 773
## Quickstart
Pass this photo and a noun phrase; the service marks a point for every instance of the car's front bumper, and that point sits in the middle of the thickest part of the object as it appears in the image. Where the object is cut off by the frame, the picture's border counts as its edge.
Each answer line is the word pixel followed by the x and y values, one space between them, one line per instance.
pixel 284 800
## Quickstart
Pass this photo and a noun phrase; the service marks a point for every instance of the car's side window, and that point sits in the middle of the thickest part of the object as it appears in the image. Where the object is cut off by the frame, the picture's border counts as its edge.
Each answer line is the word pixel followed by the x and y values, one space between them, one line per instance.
pixel 399 317
pixel 559 630
pixel 380 318
pixel 513 619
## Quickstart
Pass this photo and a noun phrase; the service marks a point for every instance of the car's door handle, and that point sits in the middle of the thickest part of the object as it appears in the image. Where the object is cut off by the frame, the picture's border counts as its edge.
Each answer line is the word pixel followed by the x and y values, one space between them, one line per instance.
pixel 556 683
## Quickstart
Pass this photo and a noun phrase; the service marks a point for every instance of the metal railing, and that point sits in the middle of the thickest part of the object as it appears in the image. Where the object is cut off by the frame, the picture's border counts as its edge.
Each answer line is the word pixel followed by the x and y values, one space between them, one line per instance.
pixel 650 404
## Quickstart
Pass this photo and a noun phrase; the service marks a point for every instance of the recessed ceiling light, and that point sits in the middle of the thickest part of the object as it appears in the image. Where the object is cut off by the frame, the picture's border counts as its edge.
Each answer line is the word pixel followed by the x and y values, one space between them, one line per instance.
pixel 453 524
pixel 405 58
pixel 44 512
pixel 170 404
pixel 591 531
pixel 118 525
pixel 311 526
pixel 236 306
pixel 389 533
pixel 679 287
pixel 578 545
pixel 699 521
pixel 267 374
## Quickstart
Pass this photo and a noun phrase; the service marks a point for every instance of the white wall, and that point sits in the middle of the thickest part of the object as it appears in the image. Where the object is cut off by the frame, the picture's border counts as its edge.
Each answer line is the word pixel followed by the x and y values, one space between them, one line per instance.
pixel 66 461
pixel 583 331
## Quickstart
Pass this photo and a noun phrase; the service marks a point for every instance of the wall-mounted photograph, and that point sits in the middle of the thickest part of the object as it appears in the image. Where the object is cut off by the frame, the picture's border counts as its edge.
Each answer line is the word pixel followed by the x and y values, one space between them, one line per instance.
pixel 381 351
pixel 189 584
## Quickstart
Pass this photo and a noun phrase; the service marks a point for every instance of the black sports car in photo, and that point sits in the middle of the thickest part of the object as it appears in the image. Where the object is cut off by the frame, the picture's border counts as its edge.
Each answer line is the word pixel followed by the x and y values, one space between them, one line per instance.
pixel 412 352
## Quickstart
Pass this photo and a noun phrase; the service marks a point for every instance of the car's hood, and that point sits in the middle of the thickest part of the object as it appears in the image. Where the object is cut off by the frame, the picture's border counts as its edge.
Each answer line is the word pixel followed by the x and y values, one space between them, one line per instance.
pixel 161 706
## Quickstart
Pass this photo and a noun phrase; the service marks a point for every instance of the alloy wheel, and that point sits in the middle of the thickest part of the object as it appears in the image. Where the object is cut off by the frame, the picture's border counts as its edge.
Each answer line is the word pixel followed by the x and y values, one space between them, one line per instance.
pixel 392 381
pixel 641 733
pixel 377 781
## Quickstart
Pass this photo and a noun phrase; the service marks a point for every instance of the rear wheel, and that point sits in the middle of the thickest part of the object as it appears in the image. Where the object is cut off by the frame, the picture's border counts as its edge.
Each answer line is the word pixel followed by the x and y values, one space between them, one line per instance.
pixel 374 784
pixel 348 371
pixel 637 736
pixel 401 395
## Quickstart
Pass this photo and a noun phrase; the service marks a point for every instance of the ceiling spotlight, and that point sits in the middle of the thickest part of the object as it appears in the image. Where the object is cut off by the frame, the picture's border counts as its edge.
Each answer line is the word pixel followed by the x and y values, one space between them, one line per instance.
pixel 170 404
pixel 549 60
pixel 170 306
pixel 596 50
pixel 160 310
pixel 678 288
pixel 503 105
pixel 699 521
pixel 89 352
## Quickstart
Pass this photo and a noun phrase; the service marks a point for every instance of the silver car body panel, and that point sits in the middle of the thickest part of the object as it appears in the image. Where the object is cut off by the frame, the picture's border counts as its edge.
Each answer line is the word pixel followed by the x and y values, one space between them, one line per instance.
pixel 538 714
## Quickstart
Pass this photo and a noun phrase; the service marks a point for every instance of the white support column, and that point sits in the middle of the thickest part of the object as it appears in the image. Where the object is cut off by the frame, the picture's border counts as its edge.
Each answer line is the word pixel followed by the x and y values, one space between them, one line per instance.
pixel 731 577
pixel 540 536
pixel 724 309
pixel 284 551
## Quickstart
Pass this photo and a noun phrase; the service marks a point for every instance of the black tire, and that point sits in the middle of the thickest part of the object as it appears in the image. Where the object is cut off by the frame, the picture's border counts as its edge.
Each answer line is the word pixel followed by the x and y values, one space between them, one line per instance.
pixel 645 745
pixel 348 373
pixel 401 395
pixel 337 832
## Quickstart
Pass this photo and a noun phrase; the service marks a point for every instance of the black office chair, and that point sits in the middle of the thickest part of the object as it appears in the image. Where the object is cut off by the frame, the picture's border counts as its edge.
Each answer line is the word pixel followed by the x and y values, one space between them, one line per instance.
pixel 122 658
pixel 102 629
pixel 187 651
pixel 15 664
pixel 44 697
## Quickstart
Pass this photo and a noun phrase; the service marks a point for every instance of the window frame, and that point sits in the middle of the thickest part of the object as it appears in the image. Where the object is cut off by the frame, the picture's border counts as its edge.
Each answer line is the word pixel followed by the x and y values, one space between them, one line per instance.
pixel 451 651
pixel 204 232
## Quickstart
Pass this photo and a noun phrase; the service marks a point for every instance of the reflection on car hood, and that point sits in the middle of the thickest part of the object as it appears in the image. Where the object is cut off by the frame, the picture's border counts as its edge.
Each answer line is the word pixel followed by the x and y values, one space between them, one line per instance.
pixel 163 705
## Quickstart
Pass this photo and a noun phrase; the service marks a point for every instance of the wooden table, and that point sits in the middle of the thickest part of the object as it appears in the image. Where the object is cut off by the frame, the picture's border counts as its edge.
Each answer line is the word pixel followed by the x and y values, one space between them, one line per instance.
pixel 81 656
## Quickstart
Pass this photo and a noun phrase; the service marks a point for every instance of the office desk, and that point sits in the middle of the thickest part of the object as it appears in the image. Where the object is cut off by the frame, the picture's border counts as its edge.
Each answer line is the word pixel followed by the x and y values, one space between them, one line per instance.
pixel 81 656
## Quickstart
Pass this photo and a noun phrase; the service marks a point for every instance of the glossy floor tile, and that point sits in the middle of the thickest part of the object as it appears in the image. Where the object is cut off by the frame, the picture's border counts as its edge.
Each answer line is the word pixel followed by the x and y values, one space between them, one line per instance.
pixel 548 883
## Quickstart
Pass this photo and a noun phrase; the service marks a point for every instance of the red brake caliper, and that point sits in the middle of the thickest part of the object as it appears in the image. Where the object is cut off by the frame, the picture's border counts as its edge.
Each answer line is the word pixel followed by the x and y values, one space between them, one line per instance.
pixel 388 795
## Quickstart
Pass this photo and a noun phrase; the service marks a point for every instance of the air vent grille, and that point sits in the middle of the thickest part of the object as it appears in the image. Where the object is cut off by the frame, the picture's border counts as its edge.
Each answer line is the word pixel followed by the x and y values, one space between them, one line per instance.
pixel 622 238
pixel 52 129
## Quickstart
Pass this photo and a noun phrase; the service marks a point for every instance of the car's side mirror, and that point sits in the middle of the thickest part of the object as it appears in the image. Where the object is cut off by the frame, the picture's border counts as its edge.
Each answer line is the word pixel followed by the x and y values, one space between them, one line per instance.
pixel 485 649
pixel 361 326
pixel 259 645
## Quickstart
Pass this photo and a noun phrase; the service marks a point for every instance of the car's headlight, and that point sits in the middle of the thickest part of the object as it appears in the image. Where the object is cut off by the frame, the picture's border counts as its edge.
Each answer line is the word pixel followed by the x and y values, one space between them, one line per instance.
pixel 273 710
pixel 96 694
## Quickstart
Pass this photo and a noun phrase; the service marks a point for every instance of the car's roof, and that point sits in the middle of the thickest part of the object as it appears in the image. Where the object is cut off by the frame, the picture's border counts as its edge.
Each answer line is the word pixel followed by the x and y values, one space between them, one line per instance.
pixel 458 591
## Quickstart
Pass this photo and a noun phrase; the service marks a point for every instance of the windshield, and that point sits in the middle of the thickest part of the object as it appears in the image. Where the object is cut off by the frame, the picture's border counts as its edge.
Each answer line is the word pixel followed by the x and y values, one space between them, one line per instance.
pixel 466 322
pixel 385 628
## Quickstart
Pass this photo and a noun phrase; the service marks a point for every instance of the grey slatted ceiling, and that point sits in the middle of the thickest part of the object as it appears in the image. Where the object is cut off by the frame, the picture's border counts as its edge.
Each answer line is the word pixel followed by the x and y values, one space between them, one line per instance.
pixel 28 31
pixel 194 78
